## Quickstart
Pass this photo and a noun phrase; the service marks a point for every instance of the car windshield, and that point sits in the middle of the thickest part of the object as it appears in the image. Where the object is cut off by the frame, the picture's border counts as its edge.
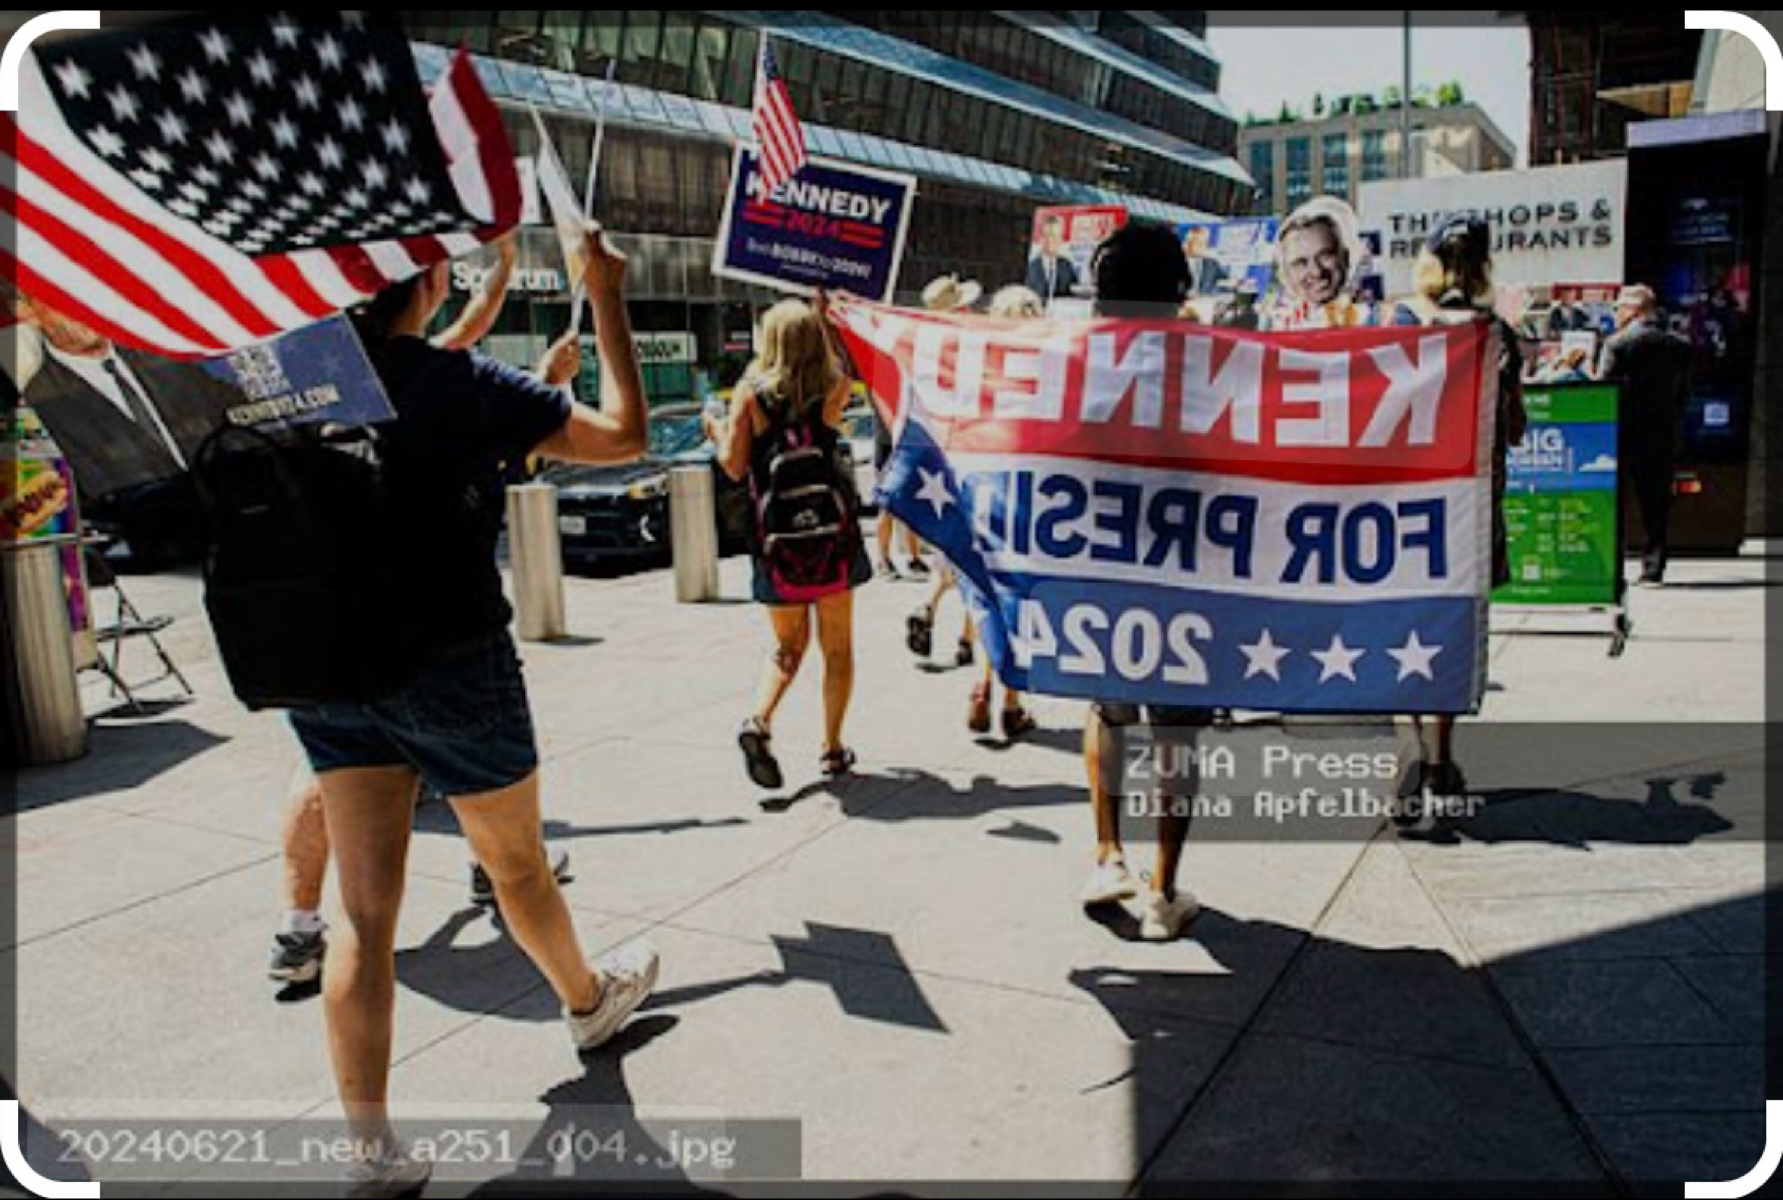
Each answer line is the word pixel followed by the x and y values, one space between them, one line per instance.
pixel 859 423
pixel 675 435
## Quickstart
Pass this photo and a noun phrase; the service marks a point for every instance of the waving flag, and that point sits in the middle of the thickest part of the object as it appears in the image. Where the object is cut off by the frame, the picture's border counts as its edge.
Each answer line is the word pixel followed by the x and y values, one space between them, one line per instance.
pixel 194 187
pixel 1162 513
pixel 777 129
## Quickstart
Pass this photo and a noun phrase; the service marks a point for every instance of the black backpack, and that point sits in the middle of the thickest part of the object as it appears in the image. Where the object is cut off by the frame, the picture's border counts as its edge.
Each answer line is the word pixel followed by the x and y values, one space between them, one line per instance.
pixel 305 577
pixel 806 514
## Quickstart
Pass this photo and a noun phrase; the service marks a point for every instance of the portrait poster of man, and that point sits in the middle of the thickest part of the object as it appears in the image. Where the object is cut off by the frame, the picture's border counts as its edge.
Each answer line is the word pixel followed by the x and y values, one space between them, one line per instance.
pixel 131 423
pixel 1059 252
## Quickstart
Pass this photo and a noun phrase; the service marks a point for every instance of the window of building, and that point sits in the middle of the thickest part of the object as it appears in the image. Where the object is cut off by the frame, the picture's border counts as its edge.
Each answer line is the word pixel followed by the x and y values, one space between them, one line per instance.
pixel 1374 155
pixel 1299 171
pixel 739 82
pixel 1263 166
pixel 710 45
pixel 1334 172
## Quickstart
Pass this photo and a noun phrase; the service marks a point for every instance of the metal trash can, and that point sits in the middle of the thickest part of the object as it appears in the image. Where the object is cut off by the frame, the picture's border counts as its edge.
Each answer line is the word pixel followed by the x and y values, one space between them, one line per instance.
pixel 693 533
pixel 536 555
pixel 39 691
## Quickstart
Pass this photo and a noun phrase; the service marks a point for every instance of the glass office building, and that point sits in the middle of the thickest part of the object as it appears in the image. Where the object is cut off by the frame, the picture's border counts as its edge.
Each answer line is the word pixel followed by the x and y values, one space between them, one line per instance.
pixel 996 114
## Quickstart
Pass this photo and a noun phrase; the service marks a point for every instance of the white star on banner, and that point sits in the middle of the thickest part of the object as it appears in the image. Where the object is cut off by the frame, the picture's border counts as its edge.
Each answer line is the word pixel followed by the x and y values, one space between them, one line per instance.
pixel 934 491
pixel 75 81
pixel 216 46
pixel 123 104
pixel 1414 658
pixel 1338 659
pixel 1264 657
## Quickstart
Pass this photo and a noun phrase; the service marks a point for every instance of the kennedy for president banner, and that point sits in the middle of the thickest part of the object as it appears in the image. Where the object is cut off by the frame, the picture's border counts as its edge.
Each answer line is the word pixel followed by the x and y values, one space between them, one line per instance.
pixel 1166 513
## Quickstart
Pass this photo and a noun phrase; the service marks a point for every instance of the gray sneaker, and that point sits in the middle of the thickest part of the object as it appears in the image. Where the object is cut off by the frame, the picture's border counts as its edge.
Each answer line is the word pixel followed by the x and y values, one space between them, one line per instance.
pixel 391 1173
pixel 297 957
pixel 625 977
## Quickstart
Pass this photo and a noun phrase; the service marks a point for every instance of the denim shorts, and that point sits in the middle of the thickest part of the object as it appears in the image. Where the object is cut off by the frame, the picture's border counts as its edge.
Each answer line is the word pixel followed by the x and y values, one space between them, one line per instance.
pixel 464 724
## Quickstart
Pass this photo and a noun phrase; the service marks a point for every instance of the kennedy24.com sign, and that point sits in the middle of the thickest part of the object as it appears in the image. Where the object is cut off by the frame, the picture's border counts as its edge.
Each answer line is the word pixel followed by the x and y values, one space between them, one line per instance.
pixel 833 225
pixel 1163 513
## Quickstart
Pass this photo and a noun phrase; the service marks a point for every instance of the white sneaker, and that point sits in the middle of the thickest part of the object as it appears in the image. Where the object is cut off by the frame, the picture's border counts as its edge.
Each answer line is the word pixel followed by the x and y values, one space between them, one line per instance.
pixel 626 977
pixel 391 1173
pixel 1109 883
pixel 1164 919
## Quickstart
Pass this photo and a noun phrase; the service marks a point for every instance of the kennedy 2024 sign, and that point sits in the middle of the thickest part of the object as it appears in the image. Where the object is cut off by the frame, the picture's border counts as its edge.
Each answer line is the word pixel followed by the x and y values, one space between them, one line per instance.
pixel 1172 514
pixel 833 225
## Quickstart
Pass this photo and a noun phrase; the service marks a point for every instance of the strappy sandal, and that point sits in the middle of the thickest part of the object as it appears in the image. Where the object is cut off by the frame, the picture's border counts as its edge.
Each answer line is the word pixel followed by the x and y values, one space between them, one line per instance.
pixel 978 709
pixel 919 632
pixel 837 762
pixel 1017 721
pixel 758 755
pixel 962 654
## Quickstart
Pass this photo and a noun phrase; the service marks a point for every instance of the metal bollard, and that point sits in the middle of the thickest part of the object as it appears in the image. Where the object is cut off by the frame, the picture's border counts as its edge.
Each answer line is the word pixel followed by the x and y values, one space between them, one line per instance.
pixel 536 555
pixel 44 720
pixel 693 533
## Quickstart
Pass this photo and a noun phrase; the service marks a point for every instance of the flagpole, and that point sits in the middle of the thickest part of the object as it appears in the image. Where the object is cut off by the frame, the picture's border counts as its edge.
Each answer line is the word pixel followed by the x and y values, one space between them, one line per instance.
pixel 579 296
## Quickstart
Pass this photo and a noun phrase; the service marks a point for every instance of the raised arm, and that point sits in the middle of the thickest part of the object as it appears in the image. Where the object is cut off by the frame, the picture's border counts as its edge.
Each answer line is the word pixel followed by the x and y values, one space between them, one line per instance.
pixel 481 310
pixel 735 434
pixel 618 431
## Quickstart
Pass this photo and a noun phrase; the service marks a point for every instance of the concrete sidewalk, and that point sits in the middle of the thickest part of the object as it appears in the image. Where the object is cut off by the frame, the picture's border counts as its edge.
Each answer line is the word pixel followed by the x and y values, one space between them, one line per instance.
pixel 1566 990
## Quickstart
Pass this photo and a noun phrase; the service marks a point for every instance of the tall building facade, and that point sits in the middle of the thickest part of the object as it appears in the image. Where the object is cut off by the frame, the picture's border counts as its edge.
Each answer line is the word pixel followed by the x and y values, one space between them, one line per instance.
pixel 1335 154
pixel 996 114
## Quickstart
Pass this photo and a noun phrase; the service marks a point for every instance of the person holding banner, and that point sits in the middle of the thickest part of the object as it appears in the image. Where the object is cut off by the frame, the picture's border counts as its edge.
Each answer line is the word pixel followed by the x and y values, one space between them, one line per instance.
pixel 1139 272
pixel 1453 276
pixel 463 725
pixel 1014 302
pixel 782 434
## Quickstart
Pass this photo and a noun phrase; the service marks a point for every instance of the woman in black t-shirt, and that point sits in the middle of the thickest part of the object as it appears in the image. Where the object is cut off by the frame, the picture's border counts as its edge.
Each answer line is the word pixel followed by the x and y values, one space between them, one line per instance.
pixel 462 726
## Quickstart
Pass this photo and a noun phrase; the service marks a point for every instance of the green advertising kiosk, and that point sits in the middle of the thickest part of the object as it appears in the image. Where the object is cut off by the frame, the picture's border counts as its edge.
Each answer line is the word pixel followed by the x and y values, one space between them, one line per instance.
pixel 1563 522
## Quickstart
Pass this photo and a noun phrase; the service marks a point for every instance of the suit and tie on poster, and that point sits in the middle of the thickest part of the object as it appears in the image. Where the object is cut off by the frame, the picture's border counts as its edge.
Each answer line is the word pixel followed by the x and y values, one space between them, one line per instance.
pixel 129 424
pixel 1063 242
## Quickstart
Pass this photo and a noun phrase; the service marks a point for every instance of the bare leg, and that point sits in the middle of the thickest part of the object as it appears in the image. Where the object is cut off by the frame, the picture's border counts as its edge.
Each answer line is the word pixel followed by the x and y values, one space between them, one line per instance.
pixel 505 834
pixel 369 811
pixel 1443 731
pixel 1101 760
pixel 305 838
pixel 792 633
pixel 884 535
pixel 912 543
pixel 835 635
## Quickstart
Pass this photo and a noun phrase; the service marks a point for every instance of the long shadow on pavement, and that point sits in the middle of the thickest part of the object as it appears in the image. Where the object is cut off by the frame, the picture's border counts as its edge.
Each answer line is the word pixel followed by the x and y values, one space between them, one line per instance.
pixel 592 1140
pixel 1398 1071
pixel 120 757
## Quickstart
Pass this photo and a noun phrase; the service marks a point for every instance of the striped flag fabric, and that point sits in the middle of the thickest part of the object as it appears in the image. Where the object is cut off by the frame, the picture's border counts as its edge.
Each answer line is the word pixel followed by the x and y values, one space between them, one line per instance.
pixel 193 187
pixel 777 130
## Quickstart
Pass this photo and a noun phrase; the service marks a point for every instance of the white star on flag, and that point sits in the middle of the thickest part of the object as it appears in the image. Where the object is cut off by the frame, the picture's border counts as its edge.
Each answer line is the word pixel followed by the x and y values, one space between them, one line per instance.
pixel 934 490
pixel 1264 657
pixel 1338 659
pixel 1414 658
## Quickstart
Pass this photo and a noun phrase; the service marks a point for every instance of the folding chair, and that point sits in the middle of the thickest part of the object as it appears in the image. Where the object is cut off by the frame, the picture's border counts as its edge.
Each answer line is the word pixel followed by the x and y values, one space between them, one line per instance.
pixel 128 623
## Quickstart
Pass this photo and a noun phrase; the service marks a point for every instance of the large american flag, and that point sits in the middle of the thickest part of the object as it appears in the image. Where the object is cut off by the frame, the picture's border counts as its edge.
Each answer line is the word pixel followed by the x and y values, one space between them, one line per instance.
pixel 777 129
pixel 194 187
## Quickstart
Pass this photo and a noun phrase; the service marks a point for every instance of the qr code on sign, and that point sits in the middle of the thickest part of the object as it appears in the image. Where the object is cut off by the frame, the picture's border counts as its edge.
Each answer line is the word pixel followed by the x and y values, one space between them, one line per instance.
pixel 258 371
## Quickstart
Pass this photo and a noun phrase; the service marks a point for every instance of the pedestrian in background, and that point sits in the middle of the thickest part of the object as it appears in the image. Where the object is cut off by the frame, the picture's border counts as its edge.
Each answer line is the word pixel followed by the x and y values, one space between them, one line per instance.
pixel 1453 277
pixel 1652 365
pixel 808 556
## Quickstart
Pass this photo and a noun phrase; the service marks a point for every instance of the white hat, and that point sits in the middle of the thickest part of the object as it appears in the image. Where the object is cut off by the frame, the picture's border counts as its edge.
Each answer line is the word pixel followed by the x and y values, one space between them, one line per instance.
pixel 949 293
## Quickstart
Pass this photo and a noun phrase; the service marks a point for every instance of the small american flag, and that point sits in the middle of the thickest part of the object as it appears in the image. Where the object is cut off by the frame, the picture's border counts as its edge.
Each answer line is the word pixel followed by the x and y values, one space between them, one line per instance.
pixel 195 187
pixel 776 125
